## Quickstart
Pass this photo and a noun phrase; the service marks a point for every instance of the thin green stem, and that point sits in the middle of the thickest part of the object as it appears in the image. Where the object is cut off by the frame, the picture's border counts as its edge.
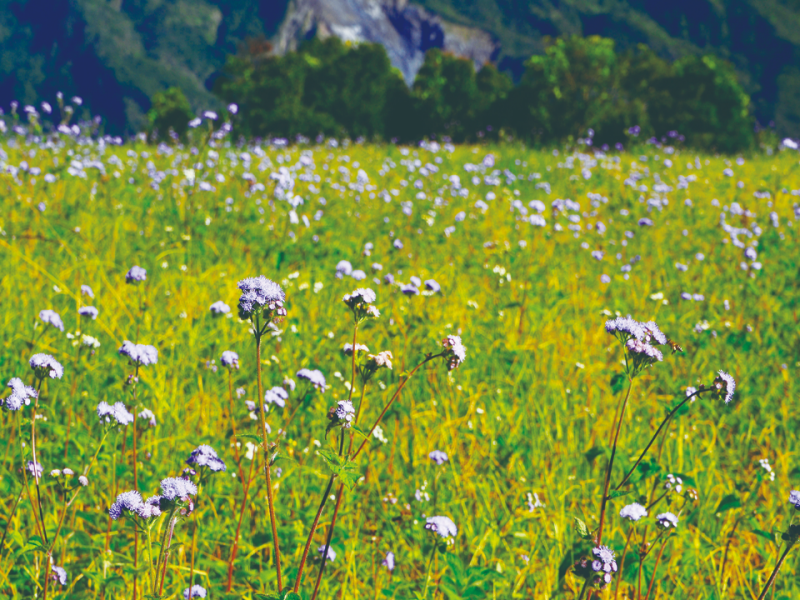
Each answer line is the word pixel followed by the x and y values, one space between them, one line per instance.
pixel 428 572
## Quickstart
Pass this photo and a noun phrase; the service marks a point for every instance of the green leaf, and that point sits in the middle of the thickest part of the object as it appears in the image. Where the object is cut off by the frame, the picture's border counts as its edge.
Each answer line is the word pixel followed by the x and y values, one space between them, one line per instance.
pixel 290 595
pixel 333 460
pixel 455 564
pixel 349 474
pixel 266 597
pixel 250 436
pixel 618 383
pixel 361 432
pixel 764 534
pixel 593 453
pixel 619 494
pixel 729 502
pixel 581 529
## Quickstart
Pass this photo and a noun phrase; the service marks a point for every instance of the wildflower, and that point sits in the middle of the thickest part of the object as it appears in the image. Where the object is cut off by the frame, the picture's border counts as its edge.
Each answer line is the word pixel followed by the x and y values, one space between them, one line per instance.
pixel 83 480
pixel 20 394
pixel 148 417
pixel 68 472
pixel 314 377
pixel 136 275
pixel 438 457
pixel 331 554
pixel 55 473
pixel 397 244
pixel 240 391
pixel 88 311
pixel 432 286
pixel 45 365
pixel 725 385
pixel 633 512
pixel 87 341
pixel 341 414
pixel 534 502
pixel 444 526
pixel 360 302
pixel 141 354
pixel 87 291
pixel 114 414
pixel 177 488
pixel 277 396
pixel 59 575
pixel 343 267
pixel 764 464
pixel 288 383
pixel 794 498
pixel 127 502
pixel 35 469
pixel 219 308
pixel 205 456
pixel 605 278
pixel 51 317
pixel 196 591
pixel 675 483
pixel 348 349
pixel 150 508
pixel 626 328
pixel 455 352
pixel 358 275
pixel 667 520
pixel 690 392
pixel 261 295
pixel 388 562
pixel 643 353
pixel 229 359
pixel 653 334
pixel 409 289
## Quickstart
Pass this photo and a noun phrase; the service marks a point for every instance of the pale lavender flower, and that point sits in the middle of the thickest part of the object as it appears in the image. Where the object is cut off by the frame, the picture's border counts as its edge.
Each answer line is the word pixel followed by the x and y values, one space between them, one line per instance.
pixel 432 285
pixel 219 308
pixel 196 591
pixel 20 394
pixel 229 359
pixel 136 274
pixel 343 267
pixel 127 502
pixel 397 244
pixel 87 291
pixel 358 275
pixel 45 365
pixel 177 488
pixel 88 311
pixel 35 468
pixel 605 278
pixel 794 498
pixel 409 289
pixel 643 350
pixel 359 298
pixel 277 396
pixel 142 354
pixel 148 417
pixel 667 520
pixel 626 327
pixel 114 414
pixel 455 353
pixel 343 413
pixel 653 334
pixel 289 383
pixel 150 508
pixel 348 349
pixel 59 575
pixel 205 456
pixel 260 294
pixel 444 526
pixel 331 553
pixel 726 385
pixel 314 377
pixel 51 317
pixel 438 457
pixel 83 480
pixel 388 562
pixel 240 391
pixel 633 512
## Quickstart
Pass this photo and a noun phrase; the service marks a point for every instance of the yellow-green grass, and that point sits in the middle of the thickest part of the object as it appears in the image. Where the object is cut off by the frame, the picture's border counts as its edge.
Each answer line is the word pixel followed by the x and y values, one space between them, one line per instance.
pixel 531 409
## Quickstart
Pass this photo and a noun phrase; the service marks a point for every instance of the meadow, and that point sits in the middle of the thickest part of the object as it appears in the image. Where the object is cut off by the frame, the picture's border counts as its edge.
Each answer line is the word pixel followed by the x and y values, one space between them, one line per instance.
pixel 524 254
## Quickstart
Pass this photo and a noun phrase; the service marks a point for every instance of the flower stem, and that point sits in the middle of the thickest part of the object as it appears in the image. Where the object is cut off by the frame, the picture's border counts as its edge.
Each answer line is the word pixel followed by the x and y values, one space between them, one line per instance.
pixel 610 466
pixel 233 426
pixel 655 568
pixel 325 494
pixel 775 571
pixel 239 525
pixel 428 572
pixel 339 494
pixel 622 563
pixel 35 463
pixel 170 531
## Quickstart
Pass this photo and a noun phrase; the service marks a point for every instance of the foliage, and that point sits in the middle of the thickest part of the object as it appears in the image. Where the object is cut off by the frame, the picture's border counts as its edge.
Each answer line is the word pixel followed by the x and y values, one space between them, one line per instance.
pixel 170 111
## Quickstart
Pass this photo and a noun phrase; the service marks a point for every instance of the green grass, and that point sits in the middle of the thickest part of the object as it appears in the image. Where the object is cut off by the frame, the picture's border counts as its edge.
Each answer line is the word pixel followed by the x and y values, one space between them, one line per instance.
pixel 531 409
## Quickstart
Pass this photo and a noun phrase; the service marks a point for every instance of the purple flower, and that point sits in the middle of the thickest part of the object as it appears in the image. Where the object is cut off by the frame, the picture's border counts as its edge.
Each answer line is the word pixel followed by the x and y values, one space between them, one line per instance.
pixel 59 575
pixel 388 562
pixel 726 385
pixel 433 286
pixel 87 291
pixel 260 294
pixel 331 553
pixel 794 498
pixel 645 222
pixel 397 244
pixel 633 512
pixel 20 394
pixel 150 508
pixel 409 289
pixel 114 414
pixel 359 300
pixel 45 365
pixel 277 396
pixel 148 417
pixel 205 456
pixel 229 359
pixel 653 333
pixel 605 278
pixel 35 468
pixel 196 591
pixel 127 502
pixel 219 308
pixel 51 317
pixel 343 413
pixel 643 350
pixel 438 457
pixel 667 520
pixel 314 377
pixel 455 353
pixel 139 353
pixel 358 275
pixel 444 526
pixel 625 328
pixel 388 278
pixel 343 267
pixel 177 488
pixel 289 383
pixel 88 311
pixel 135 275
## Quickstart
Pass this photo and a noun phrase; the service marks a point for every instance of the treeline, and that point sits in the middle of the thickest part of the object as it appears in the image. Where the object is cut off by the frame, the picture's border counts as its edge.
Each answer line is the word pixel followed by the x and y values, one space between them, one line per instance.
pixel 579 86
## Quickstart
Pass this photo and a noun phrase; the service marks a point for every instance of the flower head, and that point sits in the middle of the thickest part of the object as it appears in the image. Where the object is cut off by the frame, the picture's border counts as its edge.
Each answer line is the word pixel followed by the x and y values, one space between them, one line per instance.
pixel 59 575
pixel 342 414
pixel 87 341
pixel 725 385
pixel 625 328
pixel 148 417
pixel 388 562
pixel 331 554
pixel 150 508
pixel 794 498
pixel 633 512
pixel 261 295
pixel 360 302
pixel 116 414
pixel 88 311
pixel 432 286
pixel 348 349
pixel 127 502
pixel 277 396
pixel 314 377
pixel 444 526
pixel 455 353
pixel 45 365
pixel 51 317
pixel 219 308
pixel 667 520
pixel 196 591
pixel 20 394
pixel 177 488
pixel 438 457
pixel 136 274
pixel 142 354
pixel 87 291
pixel 229 359
pixel 205 456
pixel 35 468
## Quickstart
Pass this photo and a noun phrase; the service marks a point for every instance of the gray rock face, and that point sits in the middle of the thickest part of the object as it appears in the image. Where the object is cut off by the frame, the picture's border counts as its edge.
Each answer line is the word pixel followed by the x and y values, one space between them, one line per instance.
pixel 406 31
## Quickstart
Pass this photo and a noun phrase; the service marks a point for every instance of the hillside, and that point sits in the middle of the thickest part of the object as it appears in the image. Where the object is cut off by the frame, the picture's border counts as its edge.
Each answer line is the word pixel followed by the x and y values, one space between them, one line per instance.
pixel 116 54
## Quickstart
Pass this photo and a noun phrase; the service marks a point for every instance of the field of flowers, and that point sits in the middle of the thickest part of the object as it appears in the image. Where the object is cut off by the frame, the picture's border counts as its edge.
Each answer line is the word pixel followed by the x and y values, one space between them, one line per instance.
pixel 127 305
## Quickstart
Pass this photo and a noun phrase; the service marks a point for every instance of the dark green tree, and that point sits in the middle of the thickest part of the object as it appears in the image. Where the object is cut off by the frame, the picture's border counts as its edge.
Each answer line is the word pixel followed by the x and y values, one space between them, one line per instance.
pixel 170 110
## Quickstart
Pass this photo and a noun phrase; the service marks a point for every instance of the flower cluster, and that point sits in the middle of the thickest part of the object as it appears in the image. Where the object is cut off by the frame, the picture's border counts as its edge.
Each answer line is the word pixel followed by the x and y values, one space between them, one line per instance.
pixel 205 456
pixel 640 340
pixel 369 365
pixel 633 512
pixel 331 553
pixel 794 498
pixel 438 457
pixel 88 311
pixel 725 385
pixel 147 416
pixel 360 302
pixel 599 568
pixel 277 396
pixel 314 377
pixel 388 562
pixel 261 296
pixel 51 317
pixel 667 520
pixel 116 414
pixel 59 575
pixel 229 359
pixel 174 489
pixel 196 591
pixel 342 414
pixel 20 394
pixel 136 274
pixel 131 504
pixel 219 308
pixel 141 354
pixel 444 526
pixel 348 349
pixel 44 365
pixel 455 352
